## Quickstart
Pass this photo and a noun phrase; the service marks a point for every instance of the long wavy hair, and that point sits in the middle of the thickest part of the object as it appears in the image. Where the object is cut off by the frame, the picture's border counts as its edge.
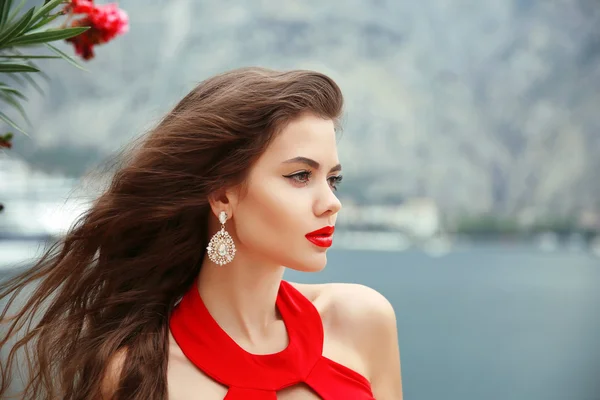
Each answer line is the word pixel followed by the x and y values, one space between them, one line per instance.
pixel 111 283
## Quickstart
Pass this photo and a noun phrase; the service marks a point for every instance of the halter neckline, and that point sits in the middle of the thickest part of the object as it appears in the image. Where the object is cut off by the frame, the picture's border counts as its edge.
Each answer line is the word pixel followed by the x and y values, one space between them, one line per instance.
pixel 259 376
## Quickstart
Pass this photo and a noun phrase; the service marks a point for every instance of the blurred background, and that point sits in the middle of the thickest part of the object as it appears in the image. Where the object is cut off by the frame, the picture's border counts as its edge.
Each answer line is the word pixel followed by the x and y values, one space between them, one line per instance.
pixel 471 158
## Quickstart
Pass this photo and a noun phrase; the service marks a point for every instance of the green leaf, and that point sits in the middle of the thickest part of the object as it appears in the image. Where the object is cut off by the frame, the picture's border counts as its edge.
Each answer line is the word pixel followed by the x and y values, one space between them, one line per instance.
pixel 4 87
pixel 9 96
pixel 5 6
pixel 40 71
pixel 26 56
pixel 13 31
pixel 16 78
pixel 15 103
pixel 47 36
pixel 31 64
pixel 45 21
pixel 14 12
pixel 21 78
pixel 17 68
pixel 12 123
pixel 33 83
pixel 65 56
pixel 46 9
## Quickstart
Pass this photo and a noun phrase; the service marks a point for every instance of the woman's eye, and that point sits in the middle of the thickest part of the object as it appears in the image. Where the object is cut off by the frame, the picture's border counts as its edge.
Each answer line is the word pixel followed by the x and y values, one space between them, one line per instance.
pixel 334 181
pixel 300 177
pixel 303 177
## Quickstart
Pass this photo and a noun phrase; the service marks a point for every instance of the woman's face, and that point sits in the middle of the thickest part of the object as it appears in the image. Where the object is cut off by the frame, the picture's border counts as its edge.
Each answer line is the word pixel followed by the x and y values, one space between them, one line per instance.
pixel 290 193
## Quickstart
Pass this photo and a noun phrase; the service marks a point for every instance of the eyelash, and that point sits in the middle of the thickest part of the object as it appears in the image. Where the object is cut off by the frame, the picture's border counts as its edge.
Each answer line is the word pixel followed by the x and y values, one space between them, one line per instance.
pixel 334 181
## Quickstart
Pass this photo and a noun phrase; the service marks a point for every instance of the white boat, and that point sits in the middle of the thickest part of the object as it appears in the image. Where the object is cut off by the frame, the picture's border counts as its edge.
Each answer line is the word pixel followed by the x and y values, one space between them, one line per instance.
pixel 437 246
pixel 548 241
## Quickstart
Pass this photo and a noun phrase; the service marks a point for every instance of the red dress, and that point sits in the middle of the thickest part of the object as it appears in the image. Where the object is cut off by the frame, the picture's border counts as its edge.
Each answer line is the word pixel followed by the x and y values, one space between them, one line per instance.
pixel 259 377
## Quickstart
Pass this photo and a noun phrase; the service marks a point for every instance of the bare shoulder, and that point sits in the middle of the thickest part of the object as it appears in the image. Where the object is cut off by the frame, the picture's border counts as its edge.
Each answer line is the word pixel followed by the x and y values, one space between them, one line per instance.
pixel 112 375
pixel 363 320
pixel 350 305
pixel 360 304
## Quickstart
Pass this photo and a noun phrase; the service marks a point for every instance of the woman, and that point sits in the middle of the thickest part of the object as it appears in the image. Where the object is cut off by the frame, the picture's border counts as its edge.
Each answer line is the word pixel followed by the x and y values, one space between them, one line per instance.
pixel 171 285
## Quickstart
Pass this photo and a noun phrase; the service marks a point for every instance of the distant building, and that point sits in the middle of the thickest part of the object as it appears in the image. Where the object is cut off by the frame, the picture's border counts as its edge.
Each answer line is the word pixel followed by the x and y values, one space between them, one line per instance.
pixel 36 204
pixel 419 217
pixel 589 220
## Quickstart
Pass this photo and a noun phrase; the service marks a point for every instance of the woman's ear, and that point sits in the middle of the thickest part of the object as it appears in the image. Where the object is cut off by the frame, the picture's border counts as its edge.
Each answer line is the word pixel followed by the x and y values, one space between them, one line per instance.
pixel 219 202
pixel 224 200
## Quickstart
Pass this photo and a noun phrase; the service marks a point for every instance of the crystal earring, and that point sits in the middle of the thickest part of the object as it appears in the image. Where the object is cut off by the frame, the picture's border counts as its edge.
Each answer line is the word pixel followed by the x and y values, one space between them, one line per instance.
pixel 221 248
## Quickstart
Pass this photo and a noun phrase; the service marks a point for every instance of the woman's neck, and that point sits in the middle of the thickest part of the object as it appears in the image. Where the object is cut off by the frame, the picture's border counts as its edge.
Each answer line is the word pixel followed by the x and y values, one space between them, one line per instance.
pixel 241 296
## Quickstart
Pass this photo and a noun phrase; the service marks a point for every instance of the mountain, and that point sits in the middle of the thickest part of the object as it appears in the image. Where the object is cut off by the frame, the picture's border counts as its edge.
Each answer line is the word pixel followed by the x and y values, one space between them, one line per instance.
pixel 483 106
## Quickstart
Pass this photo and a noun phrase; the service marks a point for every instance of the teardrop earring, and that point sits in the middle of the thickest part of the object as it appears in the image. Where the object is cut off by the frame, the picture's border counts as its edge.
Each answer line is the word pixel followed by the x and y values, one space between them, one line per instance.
pixel 221 248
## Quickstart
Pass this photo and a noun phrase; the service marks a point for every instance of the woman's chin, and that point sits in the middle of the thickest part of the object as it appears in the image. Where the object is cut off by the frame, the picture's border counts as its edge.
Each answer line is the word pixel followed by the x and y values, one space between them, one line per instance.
pixel 314 264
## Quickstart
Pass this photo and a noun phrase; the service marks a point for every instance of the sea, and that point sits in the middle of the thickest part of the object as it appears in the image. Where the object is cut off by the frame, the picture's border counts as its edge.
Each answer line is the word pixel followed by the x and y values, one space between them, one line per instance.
pixel 487 321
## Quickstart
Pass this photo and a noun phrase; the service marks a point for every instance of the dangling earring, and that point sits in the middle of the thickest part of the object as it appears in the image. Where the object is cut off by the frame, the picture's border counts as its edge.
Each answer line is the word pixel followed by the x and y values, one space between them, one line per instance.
pixel 221 248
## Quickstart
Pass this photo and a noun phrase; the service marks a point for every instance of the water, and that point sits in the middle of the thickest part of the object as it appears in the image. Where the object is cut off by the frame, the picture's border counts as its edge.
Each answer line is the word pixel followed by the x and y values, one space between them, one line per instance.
pixel 488 322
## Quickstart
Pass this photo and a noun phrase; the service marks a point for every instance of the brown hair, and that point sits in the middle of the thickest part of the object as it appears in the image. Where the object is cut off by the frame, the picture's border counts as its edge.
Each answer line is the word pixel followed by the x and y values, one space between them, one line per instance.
pixel 113 280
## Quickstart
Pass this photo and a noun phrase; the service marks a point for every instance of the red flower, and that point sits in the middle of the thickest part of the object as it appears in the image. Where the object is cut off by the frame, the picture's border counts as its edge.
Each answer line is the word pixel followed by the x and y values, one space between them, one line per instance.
pixel 85 42
pixel 111 20
pixel 105 21
pixel 6 141
pixel 82 6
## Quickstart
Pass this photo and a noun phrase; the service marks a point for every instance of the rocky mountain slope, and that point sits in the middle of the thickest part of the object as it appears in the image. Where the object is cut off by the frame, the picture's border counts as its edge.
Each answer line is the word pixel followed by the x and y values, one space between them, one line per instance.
pixel 484 106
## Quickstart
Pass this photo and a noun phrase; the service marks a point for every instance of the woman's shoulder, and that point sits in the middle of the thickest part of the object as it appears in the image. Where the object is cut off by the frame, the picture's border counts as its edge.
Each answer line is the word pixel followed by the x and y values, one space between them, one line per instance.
pixel 352 299
pixel 351 308
pixel 362 319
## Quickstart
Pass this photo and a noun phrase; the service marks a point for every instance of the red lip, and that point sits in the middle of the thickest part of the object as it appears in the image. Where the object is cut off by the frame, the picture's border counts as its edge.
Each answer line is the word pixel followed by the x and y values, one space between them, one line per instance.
pixel 322 237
